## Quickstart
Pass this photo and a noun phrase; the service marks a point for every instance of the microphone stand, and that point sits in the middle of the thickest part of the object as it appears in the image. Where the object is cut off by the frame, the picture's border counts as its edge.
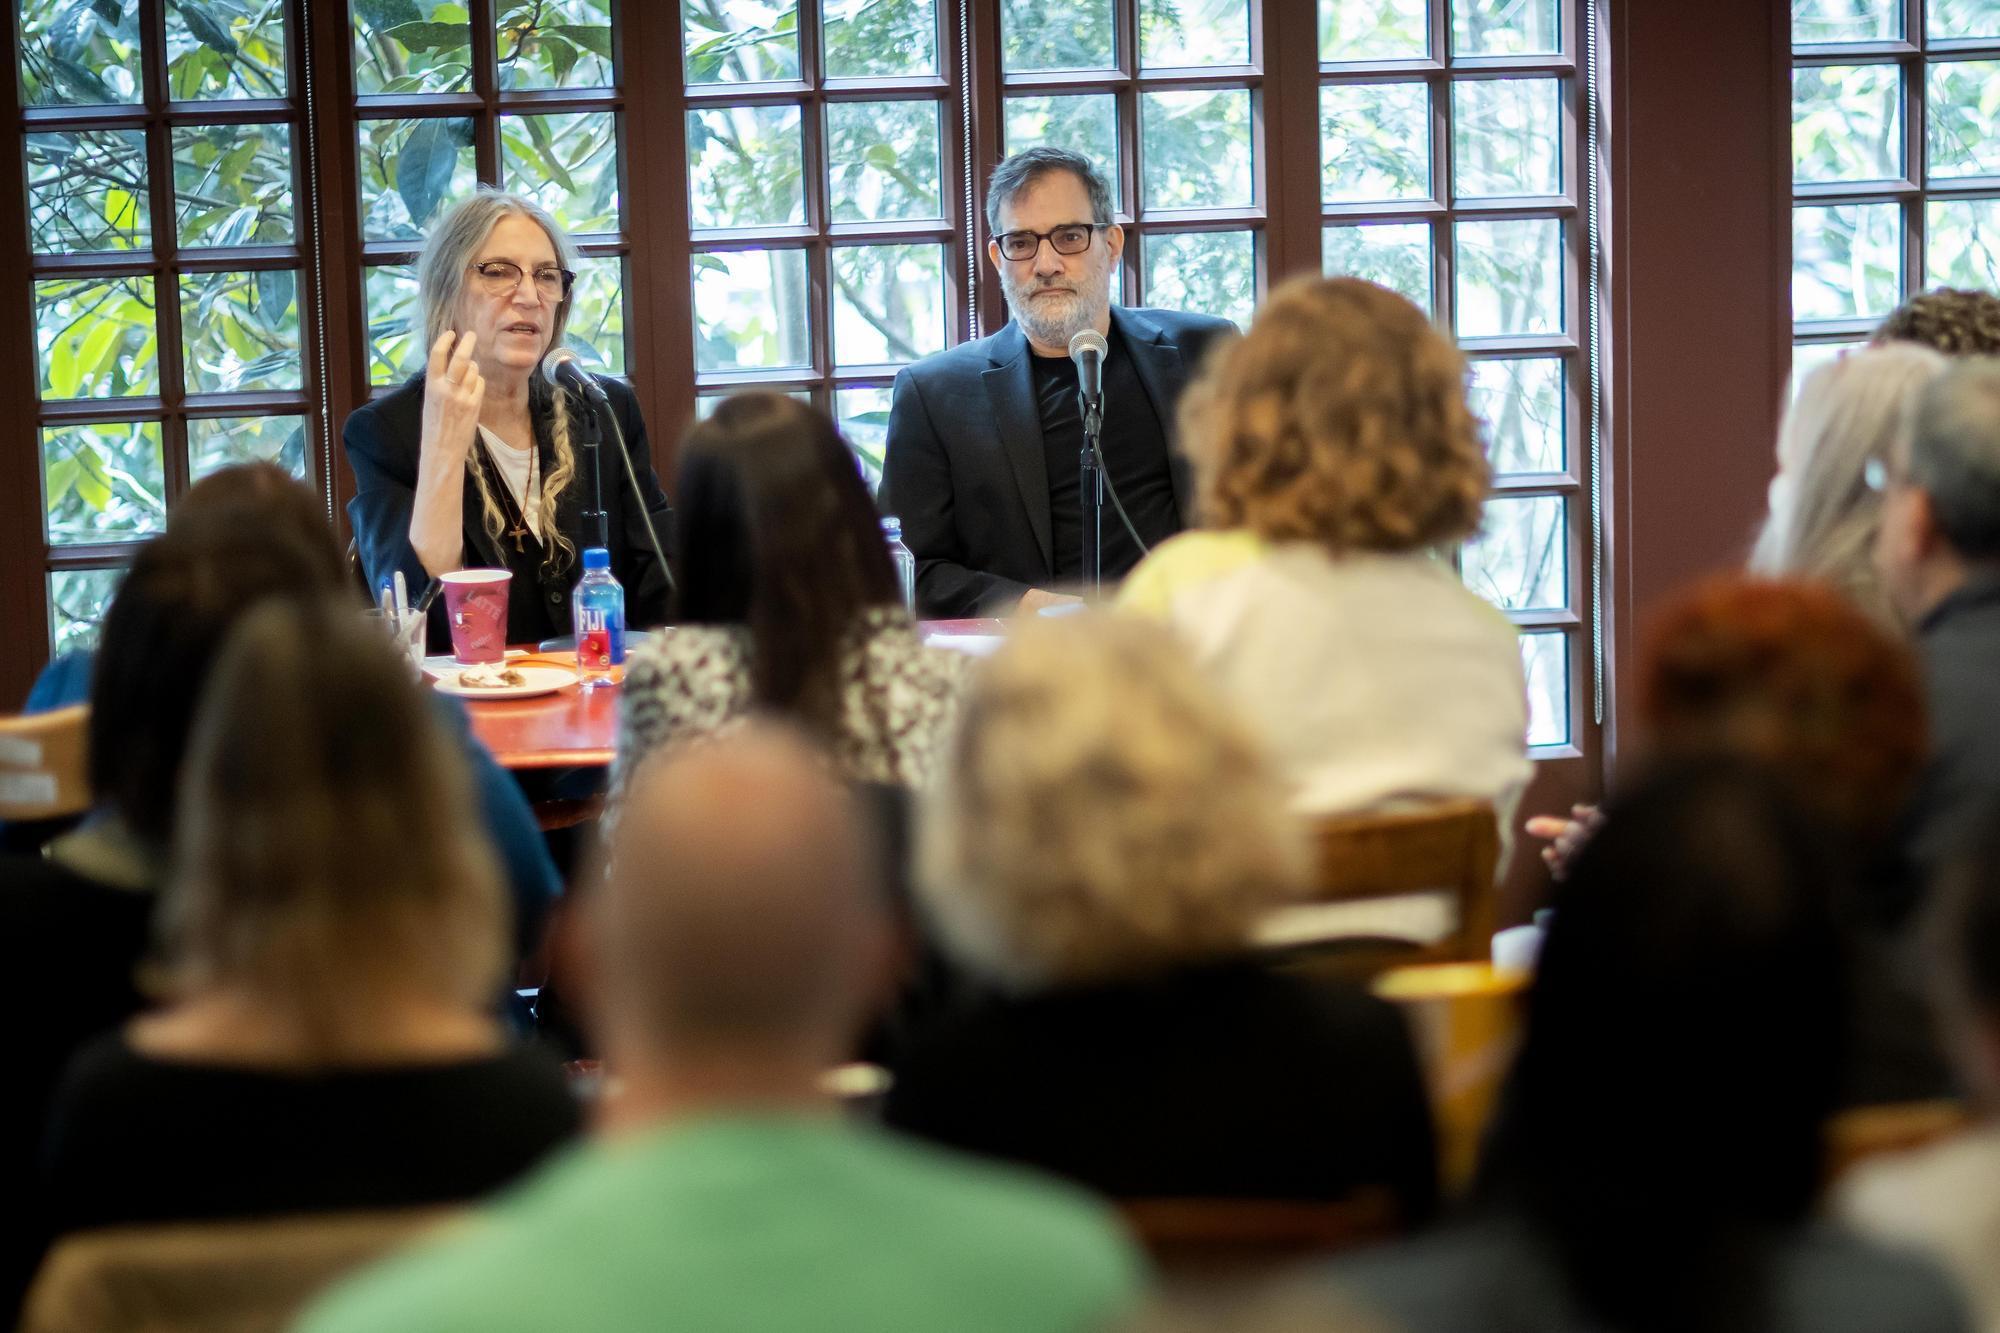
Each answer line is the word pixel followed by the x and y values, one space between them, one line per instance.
pixel 592 432
pixel 1090 482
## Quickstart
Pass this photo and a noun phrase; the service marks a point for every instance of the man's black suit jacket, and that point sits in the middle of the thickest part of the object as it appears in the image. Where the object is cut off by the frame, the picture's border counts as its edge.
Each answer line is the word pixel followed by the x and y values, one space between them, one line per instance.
pixel 966 472
pixel 382 447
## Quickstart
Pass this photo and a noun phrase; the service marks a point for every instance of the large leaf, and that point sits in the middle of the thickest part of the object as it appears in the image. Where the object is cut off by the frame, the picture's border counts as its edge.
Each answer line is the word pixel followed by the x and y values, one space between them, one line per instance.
pixel 206 30
pixel 82 83
pixel 275 289
pixel 431 36
pixel 111 11
pixel 423 171
pixel 380 14
pixel 595 39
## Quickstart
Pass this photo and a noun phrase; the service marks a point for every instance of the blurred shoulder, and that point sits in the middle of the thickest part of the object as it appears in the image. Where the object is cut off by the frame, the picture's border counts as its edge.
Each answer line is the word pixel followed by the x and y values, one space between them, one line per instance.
pixel 1184 561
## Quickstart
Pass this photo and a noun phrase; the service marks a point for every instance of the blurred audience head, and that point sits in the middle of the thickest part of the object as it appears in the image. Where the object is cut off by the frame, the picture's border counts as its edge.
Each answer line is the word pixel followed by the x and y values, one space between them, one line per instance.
pixel 326 852
pixel 1685 1039
pixel 775 531
pixel 1341 419
pixel 1793 676
pixel 742 921
pixel 1951 320
pixel 1964 934
pixel 1941 511
pixel 240 536
pixel 444 269
pixel 1849 414
pixel 1103 813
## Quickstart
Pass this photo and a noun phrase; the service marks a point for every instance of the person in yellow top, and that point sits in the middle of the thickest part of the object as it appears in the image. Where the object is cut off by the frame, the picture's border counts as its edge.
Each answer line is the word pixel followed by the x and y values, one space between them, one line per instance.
pixel 1336 460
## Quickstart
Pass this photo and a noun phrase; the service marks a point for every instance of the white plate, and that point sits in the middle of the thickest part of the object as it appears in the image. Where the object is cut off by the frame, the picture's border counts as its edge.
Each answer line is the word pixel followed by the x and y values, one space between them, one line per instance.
pixel 536 679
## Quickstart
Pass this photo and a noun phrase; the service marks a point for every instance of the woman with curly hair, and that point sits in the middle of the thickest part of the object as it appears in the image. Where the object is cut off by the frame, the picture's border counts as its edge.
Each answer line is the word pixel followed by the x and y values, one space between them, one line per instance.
pixel 474 461
pixel 1337 462
pixel 1103 837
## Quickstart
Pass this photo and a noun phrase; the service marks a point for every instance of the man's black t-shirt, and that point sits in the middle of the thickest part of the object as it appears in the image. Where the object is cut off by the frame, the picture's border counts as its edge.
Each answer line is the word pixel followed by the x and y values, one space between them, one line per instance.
pixel 1135 458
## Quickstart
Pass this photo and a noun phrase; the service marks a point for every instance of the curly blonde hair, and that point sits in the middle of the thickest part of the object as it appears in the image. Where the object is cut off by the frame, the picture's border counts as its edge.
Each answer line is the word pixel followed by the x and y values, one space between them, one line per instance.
pixel 1102 813
pixel 1340 418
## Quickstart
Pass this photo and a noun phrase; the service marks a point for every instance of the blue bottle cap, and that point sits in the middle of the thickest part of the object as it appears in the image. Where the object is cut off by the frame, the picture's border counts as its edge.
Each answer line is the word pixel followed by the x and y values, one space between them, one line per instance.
pixel 596 557
pixel 892 526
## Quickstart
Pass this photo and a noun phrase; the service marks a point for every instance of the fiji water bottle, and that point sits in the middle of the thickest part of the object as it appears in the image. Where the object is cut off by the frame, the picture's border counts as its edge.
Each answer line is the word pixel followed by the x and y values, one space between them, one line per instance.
pixel 906 563
pixel 598 610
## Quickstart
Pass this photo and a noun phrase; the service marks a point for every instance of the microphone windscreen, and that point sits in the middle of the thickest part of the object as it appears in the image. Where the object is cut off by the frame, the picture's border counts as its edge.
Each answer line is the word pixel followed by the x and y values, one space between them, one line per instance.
pixel 555 360
pixel 1087 340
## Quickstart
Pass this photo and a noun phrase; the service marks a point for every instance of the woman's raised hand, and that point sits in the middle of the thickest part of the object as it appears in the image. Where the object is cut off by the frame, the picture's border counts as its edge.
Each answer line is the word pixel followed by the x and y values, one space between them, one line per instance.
pixel 453 392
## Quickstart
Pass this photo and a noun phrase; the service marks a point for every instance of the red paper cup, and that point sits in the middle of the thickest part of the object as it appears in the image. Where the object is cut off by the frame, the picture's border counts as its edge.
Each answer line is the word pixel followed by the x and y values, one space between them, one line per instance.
pixel 475 605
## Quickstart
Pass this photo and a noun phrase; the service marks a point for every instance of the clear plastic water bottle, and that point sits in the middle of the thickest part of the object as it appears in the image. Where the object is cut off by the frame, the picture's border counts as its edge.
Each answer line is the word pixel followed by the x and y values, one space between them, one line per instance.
pixel 597 610
pixel 905 562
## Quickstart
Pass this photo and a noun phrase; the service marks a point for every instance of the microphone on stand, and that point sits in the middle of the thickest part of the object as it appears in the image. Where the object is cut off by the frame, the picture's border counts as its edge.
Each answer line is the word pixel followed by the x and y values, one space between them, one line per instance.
pixel 563 369
pixel 1087 348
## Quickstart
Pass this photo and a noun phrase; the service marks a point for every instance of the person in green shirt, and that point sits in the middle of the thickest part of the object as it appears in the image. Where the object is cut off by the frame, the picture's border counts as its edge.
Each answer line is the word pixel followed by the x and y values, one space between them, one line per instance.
pixel 741 943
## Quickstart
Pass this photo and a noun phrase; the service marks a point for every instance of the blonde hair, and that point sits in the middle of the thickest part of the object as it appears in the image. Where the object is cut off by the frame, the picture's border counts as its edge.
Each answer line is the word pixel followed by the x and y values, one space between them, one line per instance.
pixel 1340 418
pixel 441 270
pixel 1824 515
pixel 1102 812
pixel 323 845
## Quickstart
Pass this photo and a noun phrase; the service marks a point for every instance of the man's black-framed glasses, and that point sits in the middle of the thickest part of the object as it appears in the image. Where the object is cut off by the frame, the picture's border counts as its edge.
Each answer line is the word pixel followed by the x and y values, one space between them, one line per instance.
pixel 499 277
pixel 1072 238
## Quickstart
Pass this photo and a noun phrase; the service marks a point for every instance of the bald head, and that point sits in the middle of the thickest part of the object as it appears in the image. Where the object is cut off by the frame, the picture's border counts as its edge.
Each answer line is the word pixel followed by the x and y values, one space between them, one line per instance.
pixel 742 912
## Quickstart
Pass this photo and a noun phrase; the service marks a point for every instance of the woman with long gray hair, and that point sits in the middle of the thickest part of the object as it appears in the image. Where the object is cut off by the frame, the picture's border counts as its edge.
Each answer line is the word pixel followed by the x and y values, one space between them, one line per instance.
pixel 475 461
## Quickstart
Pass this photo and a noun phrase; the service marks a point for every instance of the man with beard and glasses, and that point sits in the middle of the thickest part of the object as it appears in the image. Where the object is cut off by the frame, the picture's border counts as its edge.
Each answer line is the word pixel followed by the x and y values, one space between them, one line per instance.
pixel 984 439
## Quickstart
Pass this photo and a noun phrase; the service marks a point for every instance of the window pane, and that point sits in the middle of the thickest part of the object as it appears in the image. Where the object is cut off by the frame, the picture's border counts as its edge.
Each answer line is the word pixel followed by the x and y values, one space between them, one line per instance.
pixel 1846 260
pixel 884 160
pixel 87 191
pixel 225 48
pixel 1036 35
pixel 233 184
pixel 215 443
pixel 1962 18
pixel 750 310
pixel 1962 133
pixel 555 43
pixel 1086 124
pixel 103 483
pixel 740 41
pixel 1545 662
pixel 597 314
pixel 888 303
pixel 240 331
pixel 1397 255
pixel 1808 357
pixel 1507 137
pixel 1373 30
pixel 1962 244
pixel 1196 148
pixel 411 46
pixel 1510 277
pixel 1375 142
pixel 1213 272
pixel 1505 27
pixel 78 599
pixel 395 323
pixel 78 54
pixel 746 166
pixel 864 38
pixel 411 171
pixel 864 419
pixel 1521 403
pixel 567 164
pixel 1193 32
pixel 1847 123
pixel 1519 561
pixel 97 337
pixel 1849 20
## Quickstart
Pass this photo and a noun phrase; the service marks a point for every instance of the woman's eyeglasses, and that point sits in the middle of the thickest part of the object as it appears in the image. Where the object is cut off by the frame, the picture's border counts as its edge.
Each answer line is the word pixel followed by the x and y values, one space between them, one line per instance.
pixel 499 277
pixel 1072 238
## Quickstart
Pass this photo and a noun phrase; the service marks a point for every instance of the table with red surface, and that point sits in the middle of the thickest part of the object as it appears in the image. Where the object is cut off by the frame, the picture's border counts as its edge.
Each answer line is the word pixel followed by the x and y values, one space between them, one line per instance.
pixel 578 728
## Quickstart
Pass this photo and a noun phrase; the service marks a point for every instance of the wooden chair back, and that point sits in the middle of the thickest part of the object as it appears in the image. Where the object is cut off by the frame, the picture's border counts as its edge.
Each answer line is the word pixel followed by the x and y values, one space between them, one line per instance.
pixel 216 1277
pixel 1400 887
pixel 1235 1238
pixel 44 768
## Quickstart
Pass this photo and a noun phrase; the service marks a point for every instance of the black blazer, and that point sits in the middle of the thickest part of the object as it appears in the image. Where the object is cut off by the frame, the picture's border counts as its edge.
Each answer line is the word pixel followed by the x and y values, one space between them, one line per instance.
pixel 382 445
pixel 965 470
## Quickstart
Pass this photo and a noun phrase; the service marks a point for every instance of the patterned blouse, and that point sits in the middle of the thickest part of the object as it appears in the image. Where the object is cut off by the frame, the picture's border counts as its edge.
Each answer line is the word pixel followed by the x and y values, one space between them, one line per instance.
pixel 898 696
